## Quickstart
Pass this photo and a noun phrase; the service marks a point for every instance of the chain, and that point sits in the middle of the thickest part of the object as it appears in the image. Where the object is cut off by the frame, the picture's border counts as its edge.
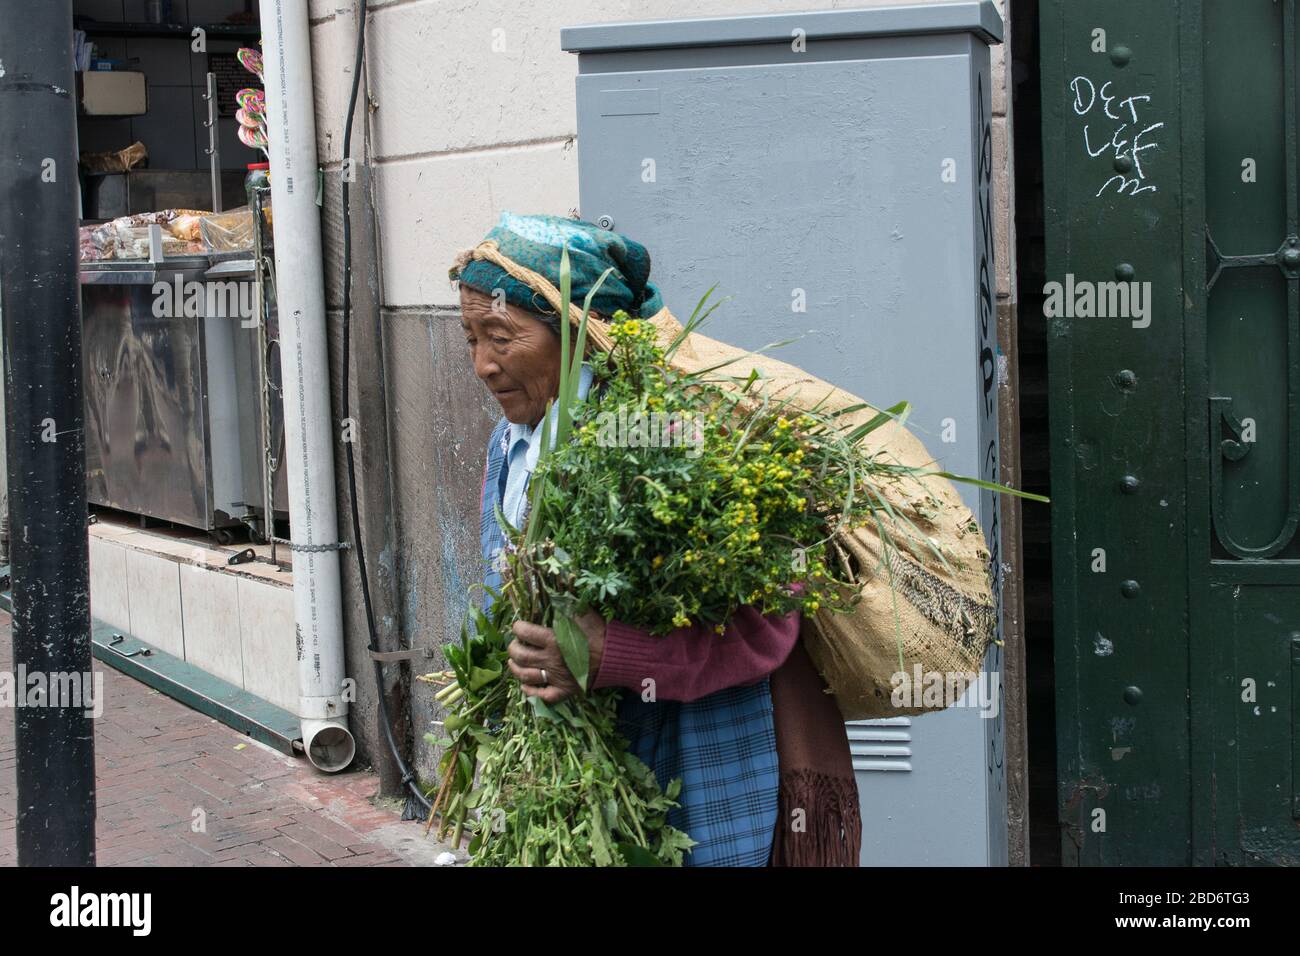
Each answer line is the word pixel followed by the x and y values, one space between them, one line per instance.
pixel 338 546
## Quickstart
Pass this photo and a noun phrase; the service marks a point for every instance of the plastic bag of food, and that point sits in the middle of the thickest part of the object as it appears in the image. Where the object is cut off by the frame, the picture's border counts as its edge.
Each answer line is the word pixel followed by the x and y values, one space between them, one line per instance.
pixel 185 226
pixel 230 231
pixel 94 244
pixel 132 242
pixel 127 237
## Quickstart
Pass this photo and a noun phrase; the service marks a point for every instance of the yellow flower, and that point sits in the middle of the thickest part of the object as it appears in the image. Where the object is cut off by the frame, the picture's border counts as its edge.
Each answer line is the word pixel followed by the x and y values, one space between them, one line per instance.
pixel 658 560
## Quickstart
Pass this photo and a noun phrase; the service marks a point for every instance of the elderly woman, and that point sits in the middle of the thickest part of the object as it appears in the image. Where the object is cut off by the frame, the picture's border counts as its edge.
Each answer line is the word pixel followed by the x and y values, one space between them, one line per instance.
pixel 744 719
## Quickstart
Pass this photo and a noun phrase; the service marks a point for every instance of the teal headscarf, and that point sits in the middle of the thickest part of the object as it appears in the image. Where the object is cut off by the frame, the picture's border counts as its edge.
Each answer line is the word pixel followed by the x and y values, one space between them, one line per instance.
pixel 537 241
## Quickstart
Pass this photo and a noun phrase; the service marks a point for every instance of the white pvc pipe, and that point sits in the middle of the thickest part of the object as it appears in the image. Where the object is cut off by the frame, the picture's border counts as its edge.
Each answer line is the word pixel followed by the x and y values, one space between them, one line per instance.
pixel 304 364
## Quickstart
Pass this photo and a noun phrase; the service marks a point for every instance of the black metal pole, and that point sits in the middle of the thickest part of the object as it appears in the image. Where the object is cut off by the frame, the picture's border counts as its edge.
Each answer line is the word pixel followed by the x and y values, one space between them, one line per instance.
pixel 40 304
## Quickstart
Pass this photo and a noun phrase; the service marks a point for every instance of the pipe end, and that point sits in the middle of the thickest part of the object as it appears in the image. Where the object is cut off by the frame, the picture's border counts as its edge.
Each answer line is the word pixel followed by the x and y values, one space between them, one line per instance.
pixel 329 744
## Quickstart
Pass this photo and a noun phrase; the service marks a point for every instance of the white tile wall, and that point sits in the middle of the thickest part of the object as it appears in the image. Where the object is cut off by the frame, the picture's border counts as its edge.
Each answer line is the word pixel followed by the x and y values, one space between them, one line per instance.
pixel 237 628
pixel 268 640
pixel 210 605
pixel 156 612
pixel 108 583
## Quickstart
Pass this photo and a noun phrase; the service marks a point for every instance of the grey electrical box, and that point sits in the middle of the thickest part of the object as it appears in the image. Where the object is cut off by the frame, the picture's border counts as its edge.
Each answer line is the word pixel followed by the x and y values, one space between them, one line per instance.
pixel 831 172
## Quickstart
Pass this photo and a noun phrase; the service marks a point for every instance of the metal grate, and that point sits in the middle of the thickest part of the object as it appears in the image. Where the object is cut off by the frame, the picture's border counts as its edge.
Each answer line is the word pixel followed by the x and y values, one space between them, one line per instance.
pixel 884 744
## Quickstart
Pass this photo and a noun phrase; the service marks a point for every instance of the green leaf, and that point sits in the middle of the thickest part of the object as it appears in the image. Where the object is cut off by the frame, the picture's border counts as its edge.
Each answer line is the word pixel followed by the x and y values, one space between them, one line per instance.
pixel 601 851
pixel 453 723
pixel 466 766
pixel 672 843
pixel 538 484
pixel 511 531
pixel 897 413
pixel 484 627
pixel 574 647
pixel 695 321
pixel 566 286
pixel 544 710
pixel 991 486
pixel 634 855
pixel 480 677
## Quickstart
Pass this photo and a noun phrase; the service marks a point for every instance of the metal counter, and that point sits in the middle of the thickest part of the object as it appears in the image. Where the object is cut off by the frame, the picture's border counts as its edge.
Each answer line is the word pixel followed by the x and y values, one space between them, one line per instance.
pixel 174 420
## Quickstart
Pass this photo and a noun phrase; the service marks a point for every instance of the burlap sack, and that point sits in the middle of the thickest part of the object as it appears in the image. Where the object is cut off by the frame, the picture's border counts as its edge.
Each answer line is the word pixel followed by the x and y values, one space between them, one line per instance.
pixel 914 609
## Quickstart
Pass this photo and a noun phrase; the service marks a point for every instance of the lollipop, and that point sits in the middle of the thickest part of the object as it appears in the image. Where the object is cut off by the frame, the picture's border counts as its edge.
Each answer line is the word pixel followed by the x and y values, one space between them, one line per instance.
pixel 253 101
pixel 253 137
pixel 252 60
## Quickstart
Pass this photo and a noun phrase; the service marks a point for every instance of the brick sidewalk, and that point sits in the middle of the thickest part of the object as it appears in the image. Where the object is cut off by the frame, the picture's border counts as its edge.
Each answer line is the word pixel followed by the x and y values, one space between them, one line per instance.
pixel 161 766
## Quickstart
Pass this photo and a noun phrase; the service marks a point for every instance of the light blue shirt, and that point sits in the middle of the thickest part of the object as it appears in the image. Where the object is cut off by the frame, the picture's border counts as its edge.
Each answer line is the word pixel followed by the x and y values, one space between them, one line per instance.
pixel 524 445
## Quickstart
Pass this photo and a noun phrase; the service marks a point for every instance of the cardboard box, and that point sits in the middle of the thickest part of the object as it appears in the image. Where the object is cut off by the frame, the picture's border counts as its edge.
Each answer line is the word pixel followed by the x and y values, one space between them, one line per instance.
pixel 115 93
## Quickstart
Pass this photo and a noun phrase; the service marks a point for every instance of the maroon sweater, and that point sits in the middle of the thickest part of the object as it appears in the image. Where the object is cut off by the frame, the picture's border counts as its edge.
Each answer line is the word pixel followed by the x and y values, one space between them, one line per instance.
pixel 692 662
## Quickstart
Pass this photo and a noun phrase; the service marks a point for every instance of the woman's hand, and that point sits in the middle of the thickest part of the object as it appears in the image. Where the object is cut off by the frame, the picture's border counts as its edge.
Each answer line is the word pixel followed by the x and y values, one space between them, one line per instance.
pixel 535 649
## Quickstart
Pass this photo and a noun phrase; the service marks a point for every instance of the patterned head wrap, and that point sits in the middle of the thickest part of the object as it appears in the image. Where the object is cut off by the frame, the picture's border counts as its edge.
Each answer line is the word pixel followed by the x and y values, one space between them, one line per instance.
pixel 536 243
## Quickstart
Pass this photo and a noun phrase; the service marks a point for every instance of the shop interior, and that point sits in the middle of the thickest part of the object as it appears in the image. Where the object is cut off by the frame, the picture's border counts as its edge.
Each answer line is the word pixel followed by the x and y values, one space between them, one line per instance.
pixel 183 412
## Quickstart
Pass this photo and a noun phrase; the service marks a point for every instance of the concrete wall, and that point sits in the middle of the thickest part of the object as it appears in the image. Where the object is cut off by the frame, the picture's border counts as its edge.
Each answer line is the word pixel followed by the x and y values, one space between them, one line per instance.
pixel 471 112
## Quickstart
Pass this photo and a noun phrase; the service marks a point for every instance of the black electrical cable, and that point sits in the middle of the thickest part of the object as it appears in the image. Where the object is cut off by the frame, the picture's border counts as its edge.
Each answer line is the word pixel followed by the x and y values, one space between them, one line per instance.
pixel 358 548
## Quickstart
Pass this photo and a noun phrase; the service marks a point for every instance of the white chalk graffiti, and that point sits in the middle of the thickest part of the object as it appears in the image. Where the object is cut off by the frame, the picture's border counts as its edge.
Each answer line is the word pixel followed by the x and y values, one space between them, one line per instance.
pixel 1124 152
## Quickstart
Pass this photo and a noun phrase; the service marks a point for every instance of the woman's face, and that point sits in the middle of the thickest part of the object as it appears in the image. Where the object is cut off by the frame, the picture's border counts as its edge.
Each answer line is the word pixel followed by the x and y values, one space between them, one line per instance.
pixel 515 354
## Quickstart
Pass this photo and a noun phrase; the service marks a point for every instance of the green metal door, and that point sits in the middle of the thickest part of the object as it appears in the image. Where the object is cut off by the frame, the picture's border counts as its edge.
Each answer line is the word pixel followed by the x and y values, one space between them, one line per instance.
pixel 1171 159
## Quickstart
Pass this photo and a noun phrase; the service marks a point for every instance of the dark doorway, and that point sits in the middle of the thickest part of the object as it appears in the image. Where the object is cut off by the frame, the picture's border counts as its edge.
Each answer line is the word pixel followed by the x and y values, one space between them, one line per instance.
pixel 1044 833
